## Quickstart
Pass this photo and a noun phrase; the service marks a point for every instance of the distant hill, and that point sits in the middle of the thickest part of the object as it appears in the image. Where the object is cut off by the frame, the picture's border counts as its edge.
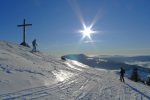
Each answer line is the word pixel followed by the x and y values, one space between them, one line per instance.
pixel 108 62
pixel 126 59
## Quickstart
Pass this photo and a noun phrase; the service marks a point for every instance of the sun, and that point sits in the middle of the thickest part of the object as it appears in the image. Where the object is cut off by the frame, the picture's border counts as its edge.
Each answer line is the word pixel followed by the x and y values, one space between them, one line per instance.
pixel 87 32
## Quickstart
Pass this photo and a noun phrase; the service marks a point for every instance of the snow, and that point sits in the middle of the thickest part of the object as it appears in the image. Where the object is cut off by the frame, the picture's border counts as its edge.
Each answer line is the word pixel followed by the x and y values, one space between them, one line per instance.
pixel 28 76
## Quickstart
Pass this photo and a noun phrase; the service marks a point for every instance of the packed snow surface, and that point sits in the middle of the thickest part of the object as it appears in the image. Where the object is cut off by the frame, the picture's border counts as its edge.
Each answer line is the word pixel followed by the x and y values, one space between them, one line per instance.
pixel 27 76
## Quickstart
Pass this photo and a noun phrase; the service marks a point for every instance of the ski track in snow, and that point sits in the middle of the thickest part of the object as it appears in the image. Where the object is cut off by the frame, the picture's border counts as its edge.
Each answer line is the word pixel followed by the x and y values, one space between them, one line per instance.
pixel 85 86
pixel 74 81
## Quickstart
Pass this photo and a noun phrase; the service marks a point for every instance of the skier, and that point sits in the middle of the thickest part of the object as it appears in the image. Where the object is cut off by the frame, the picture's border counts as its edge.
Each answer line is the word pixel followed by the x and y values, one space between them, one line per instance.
pixel 34 44
pixel 122 72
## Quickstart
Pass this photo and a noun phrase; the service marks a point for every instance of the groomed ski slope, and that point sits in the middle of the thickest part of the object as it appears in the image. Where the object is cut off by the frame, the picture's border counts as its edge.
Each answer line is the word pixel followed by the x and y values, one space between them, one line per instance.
pixel 38 76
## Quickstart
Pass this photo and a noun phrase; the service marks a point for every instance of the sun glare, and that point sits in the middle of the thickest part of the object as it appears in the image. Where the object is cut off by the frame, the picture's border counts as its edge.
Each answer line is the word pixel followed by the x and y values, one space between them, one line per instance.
pixel 87 32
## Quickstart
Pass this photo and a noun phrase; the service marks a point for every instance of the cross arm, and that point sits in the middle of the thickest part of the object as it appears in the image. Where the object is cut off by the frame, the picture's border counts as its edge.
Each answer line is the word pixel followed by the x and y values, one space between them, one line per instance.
pixel 24 25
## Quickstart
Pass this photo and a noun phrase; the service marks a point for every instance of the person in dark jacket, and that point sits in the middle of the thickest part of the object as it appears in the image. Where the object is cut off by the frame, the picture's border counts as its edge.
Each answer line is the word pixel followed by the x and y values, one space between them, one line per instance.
pixel 122 72
pixel 34 44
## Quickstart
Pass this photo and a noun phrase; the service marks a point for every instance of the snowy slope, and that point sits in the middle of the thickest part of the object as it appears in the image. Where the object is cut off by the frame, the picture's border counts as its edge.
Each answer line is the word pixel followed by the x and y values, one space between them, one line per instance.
pixel 25 75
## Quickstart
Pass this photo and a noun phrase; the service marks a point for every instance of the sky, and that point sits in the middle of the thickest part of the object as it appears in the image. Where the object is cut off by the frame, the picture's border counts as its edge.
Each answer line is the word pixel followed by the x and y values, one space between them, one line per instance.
pixel 122 26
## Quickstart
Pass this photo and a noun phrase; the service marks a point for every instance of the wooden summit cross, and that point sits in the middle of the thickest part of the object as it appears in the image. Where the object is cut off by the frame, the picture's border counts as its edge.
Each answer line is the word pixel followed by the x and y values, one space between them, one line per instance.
pixel 24 32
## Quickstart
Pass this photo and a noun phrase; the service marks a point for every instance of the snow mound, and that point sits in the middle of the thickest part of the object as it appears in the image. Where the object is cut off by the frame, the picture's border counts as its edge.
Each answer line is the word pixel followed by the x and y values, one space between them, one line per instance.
pixel 25 75
pixel 21 69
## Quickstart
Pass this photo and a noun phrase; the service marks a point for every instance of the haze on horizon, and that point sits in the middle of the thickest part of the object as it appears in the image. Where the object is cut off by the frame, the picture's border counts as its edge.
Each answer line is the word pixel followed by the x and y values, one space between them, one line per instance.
pixel 122 26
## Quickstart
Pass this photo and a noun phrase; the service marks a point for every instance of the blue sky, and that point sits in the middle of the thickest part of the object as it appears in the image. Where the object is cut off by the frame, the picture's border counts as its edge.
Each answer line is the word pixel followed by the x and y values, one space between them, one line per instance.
pixel 123 25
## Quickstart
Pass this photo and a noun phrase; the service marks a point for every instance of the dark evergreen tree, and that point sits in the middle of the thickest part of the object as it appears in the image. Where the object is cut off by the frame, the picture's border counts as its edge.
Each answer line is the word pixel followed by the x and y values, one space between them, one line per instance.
pixel 148 80
pixel 134 75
